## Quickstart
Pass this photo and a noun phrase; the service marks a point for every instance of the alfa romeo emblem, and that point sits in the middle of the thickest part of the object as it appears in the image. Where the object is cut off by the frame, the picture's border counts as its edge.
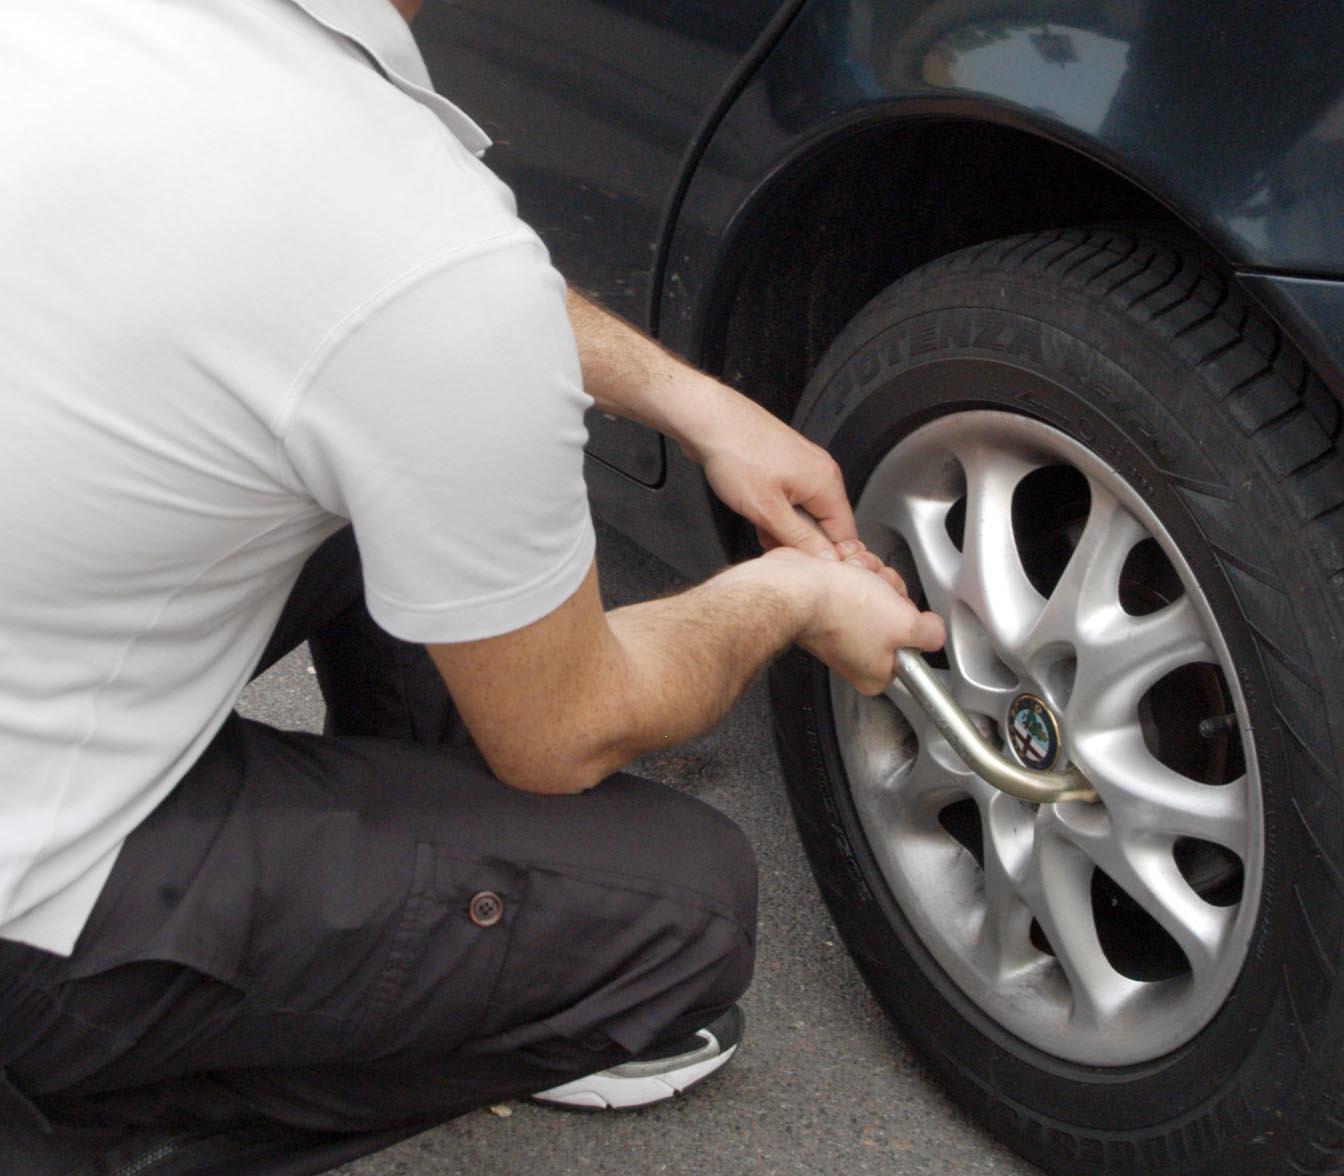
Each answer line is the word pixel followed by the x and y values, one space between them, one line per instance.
pixel 1033 732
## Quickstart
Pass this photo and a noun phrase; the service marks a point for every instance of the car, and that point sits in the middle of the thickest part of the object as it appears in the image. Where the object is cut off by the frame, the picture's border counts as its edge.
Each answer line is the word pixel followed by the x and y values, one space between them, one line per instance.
pixel 1061 288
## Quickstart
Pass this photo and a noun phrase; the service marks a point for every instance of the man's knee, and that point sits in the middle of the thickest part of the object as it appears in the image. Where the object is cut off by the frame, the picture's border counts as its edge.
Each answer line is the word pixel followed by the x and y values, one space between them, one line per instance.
pixel 651 835
pixel 639 919
pixel 699 850
pixel 717 876
pixel 729 874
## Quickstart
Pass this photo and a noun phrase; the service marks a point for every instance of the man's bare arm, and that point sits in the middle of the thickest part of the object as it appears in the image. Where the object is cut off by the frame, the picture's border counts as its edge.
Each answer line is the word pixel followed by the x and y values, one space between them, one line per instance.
pixel 559 704
pixel 756 464
pixel 562 703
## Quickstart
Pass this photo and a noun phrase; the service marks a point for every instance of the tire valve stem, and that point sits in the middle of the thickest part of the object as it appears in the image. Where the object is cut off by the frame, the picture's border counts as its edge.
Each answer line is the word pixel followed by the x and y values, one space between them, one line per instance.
pixel 1217 726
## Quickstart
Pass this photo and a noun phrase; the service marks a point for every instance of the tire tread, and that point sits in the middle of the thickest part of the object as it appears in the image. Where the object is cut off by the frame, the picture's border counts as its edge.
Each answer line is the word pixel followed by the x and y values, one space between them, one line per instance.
pixel 1291 417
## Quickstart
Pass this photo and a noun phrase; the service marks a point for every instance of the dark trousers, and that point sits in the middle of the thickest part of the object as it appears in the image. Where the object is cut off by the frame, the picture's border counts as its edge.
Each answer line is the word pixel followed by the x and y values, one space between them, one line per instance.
pixel 318 945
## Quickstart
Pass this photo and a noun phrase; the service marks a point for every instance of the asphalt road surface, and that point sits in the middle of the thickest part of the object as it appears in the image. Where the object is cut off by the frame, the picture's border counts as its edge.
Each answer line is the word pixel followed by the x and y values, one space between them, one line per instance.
pixel 821 1083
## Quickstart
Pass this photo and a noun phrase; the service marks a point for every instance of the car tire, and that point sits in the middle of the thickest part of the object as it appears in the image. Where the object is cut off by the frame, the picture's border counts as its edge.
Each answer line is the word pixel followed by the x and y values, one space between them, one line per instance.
pixel 1121 486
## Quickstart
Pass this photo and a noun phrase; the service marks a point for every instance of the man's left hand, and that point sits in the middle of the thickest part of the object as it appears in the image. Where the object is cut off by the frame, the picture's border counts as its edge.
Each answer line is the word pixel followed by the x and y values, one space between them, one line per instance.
pixel 769 473
pixel 756 464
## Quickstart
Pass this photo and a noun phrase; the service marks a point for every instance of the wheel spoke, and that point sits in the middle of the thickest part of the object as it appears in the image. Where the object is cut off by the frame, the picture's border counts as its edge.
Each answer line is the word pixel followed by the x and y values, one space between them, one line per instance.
pixel 1004 948
pixel 922 789
pixel 1060 893
pixel 1125 655
pixel 1148 802
pixel 1149 875
pixel 1090 584
pixel 922 522
pixel 993 582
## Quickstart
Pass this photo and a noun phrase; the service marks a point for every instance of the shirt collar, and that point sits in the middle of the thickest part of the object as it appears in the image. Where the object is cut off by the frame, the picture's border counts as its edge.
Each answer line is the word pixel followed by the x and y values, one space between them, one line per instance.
pixel 380 31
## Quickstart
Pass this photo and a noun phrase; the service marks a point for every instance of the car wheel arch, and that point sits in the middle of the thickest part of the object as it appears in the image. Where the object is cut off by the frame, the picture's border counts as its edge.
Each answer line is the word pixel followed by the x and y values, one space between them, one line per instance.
pixel 828 229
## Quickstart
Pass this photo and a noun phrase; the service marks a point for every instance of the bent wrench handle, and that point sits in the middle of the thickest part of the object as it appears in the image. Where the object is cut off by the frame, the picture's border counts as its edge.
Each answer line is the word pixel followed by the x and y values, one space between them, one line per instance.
pixel 992 766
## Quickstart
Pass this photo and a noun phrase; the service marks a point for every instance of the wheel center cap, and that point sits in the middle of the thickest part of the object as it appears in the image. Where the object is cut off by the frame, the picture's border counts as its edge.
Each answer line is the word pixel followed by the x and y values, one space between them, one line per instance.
pixel 1033 732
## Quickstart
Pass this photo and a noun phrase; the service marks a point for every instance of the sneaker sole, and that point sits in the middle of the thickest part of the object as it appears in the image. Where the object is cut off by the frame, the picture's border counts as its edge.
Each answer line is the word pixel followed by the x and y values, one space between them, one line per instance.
pixel 610 1091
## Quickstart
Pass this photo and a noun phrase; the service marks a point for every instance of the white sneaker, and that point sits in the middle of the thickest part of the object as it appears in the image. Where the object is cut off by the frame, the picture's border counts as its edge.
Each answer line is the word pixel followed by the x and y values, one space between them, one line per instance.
pixel 660 1073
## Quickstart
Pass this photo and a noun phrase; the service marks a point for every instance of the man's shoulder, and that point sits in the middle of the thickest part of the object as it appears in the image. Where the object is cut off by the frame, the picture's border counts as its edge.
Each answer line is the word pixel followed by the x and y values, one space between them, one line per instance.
pixel 220 188
pixel 247 122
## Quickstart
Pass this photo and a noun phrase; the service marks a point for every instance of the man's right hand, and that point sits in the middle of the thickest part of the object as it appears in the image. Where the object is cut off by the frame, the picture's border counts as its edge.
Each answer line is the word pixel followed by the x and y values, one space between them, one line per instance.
pixel 860 615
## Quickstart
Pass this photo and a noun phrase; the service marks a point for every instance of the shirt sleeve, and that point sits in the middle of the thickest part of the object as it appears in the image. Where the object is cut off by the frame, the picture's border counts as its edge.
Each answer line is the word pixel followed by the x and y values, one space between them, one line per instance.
pixel 445 421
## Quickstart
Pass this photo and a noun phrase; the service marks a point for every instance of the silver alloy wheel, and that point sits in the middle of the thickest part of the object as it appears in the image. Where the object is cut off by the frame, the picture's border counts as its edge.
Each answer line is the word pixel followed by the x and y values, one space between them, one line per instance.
pixel 1104 934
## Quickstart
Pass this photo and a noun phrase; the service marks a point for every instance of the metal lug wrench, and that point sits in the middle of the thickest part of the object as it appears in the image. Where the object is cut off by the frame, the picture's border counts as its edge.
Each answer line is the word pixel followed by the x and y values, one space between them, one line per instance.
pixel 1030 784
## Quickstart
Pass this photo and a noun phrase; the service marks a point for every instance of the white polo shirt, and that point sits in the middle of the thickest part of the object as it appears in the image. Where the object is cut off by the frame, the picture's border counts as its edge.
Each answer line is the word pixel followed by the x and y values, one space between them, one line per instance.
pixel 251 287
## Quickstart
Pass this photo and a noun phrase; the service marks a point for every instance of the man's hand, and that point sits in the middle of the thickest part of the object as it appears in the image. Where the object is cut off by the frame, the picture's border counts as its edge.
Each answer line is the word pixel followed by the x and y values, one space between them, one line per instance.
pixel 860 616
pixel 768 473
pixel 755 463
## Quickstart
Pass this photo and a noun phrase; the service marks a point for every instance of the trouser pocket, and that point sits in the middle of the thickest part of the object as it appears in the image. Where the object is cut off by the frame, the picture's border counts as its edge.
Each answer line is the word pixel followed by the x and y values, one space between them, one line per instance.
pixel 445 955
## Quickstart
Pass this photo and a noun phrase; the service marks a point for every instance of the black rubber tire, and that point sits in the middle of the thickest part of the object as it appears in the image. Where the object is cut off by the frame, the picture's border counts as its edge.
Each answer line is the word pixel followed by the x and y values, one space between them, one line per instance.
pixel 1141 347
